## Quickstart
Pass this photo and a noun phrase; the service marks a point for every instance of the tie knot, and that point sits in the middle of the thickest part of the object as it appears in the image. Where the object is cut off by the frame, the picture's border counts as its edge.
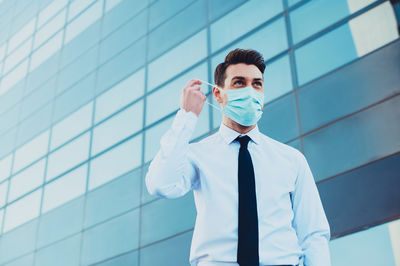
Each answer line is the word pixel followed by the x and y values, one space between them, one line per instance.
pixel 243 140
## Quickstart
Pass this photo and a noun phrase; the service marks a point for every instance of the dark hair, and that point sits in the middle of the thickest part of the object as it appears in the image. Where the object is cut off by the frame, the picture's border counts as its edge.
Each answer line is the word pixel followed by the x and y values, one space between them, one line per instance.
pixel 250 57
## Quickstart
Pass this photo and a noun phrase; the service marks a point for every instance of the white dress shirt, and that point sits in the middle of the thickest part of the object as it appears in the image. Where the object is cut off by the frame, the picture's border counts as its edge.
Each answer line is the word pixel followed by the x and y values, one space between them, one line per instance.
pixel 291 219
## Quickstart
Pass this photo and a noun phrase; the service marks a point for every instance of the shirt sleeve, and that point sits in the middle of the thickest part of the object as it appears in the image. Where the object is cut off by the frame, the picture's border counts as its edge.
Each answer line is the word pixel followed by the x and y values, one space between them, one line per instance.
pixel 171 174
pixel 310 221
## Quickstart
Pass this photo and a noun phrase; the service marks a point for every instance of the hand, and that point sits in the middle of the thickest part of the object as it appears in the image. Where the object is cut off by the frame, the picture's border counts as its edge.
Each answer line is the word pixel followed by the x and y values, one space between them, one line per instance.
pixel 192 98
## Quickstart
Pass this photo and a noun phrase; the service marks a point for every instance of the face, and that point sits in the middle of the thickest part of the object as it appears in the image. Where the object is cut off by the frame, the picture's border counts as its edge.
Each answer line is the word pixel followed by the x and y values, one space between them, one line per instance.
pixel 240 76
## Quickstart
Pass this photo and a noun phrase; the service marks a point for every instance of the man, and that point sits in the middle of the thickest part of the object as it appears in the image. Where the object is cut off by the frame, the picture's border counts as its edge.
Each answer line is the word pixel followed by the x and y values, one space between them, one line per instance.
pixel 256 198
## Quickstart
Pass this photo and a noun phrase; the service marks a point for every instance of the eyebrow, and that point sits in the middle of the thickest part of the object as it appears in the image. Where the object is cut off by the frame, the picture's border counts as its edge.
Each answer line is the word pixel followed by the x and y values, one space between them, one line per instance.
pixel 240 77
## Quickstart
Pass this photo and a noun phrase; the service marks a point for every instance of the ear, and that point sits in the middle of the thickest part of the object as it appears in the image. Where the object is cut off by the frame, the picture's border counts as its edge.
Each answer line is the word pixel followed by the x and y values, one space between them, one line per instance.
pixel 217 94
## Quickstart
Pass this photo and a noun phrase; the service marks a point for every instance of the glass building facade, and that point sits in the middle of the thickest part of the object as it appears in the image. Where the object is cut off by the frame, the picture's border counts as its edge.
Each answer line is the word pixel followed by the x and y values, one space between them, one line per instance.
pixel 88 87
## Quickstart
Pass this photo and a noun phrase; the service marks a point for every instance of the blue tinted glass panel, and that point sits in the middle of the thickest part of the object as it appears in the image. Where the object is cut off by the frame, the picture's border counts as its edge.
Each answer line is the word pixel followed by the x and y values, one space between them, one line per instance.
pixel 65 188
pixel 18 242
pixel 71 126
pixel 123 37
pixel 22 210
pixel 3 195
pixel 113 198
pixel 355 140
pixel 324 54
pixel 229 27
pixel 5 167
pixel 27 180
pixel 26 260
pixel 277 79
pixel 130 259
pixel 174 251
pixel 162 38
pixel 74 98
pixel 164 9
pixel 118 127
pixel 68 156
pixel 170 212
pixel 121 13
pixel 64 253
pixel 315 16
pixel 57 223
pixel 177 60
pixel 121 65
pixel 120 95
pixel 115 162
pixel 113 237
pixel 279 119
pixel 369 247
pixel 31 151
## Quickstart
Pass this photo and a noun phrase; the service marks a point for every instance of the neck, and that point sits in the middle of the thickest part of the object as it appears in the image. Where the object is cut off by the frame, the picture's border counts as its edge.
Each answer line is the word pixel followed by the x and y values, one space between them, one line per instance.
pixel 235 126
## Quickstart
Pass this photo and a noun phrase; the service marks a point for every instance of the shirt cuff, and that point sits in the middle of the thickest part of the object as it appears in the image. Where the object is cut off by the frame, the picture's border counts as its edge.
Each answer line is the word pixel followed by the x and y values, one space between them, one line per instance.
pixel 184 120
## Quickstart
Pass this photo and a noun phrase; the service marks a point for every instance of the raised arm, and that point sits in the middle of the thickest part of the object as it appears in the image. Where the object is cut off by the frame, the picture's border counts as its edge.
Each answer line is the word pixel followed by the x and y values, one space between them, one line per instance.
pixel 171 174
pixel 310 221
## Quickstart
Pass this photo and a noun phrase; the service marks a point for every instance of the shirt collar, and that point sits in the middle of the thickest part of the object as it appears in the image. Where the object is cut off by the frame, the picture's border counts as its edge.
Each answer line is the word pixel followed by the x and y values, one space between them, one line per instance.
pixel 230 135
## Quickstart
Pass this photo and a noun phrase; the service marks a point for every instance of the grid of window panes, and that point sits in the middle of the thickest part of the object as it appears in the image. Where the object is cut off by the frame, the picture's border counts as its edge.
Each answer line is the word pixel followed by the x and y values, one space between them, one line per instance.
pixel 88 87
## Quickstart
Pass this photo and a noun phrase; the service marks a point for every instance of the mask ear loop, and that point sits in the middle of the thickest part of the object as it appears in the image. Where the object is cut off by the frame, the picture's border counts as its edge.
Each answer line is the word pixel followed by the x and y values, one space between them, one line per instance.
pixel 212 85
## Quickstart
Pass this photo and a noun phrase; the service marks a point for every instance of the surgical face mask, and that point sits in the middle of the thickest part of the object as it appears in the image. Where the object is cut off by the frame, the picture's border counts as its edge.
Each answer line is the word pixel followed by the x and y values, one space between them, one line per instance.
pixel 244 105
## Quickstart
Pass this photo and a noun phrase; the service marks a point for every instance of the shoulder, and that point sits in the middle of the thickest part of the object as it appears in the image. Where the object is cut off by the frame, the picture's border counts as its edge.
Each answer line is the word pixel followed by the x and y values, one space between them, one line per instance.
pixel 283 150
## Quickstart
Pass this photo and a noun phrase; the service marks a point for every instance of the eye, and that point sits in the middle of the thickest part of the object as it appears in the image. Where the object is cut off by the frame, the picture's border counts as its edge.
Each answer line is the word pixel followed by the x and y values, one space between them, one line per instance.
pixel 238 82
pixel 258 84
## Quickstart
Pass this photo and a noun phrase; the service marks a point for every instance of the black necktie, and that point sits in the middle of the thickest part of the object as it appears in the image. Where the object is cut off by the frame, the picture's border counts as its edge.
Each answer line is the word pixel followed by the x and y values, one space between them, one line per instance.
pixel 247 253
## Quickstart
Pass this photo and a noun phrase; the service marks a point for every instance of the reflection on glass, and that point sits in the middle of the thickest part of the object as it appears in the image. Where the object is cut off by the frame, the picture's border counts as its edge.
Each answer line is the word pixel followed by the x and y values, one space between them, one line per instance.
pixel 5 167
pixel 118 127
pixel 65 188
pixel 325 54
pixel 178 59
pixel 113 163
pixel 120 95
pixel 27 180
pixel 22 210
pixel 68 156
pixel 254 13
pixel 71 126
pixel 31 151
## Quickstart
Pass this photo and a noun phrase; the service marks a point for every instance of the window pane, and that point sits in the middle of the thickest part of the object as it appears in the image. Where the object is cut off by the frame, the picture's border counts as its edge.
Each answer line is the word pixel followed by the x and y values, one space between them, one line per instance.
pixel 170 213
pixel 120 95
pixel 118 127
pixel 68 156
pixel 31 151
pixel 57 223
pixel 325 54
pixel 374 28
pixel 65 188
pixel 278 78
pixel 71 126
pixel 369 247
pixel 46 51
pixel 22 210
pixel 22 34
pixel 3 194
pixel 76 6
pixel 167 98
pixel 178 59
pixel 254 13
pixel 83 21
pixel 50 11
pixel 113 198
pixel 5 167
pixel 49 29
pixel 116 162
pixel 27 180
pixel 63 253
pixel 17 56
pixel 113 237
pixel 269 41
pixel 14 76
